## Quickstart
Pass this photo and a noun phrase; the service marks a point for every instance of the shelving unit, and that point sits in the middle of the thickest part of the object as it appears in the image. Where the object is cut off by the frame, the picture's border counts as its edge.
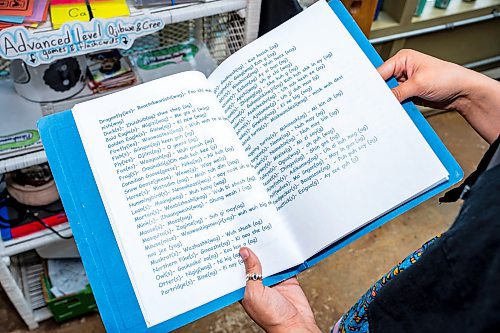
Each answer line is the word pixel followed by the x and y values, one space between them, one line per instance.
pixel 235 20
pixel 383 22
pixel 458 10
pixel 15 282
pixel 20 280
pixel 223 25
pixel 176 13
pixel 449 34
pixel 397 16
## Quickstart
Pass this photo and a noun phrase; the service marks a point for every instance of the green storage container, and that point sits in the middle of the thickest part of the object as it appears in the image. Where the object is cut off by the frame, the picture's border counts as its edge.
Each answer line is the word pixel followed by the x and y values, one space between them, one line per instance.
pixel 69 306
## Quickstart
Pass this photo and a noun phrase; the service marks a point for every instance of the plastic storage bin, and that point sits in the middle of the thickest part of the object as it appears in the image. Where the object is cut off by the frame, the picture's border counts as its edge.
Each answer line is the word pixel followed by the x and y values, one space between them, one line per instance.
pixel 70 306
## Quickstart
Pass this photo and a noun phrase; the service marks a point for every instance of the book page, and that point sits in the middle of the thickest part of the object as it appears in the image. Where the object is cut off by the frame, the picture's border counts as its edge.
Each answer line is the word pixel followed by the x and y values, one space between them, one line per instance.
pixel 180 194
pixel 332 145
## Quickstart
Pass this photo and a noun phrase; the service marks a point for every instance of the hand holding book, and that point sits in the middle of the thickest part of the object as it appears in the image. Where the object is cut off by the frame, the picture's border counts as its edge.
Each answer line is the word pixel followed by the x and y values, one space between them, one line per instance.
pixel 282 308
pixel 443 85
pixel 432 82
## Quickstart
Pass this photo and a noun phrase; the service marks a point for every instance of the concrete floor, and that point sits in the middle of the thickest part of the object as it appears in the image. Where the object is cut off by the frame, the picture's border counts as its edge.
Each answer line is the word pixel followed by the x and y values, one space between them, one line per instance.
pixel 336 283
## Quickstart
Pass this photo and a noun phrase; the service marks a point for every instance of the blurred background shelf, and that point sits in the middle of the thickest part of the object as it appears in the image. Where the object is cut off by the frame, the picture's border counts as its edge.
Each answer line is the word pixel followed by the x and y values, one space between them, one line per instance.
pixel 384 21
pixel 224 26
pixel 20 276
pixel 397 16
pixel 23 161
pixel 457 10
pixel 32 241
pixel 465 33
pixel 176 13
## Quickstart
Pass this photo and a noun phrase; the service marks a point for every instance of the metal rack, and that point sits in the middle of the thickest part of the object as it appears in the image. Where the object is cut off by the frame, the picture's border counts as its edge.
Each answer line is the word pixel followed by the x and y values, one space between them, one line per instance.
pixel 226 27
pixel 223 25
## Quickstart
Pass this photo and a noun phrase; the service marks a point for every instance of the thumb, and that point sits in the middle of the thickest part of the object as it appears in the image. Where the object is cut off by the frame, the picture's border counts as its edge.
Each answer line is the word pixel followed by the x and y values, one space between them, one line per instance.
pixel 405 90
pixel 388 69
pixel 252 266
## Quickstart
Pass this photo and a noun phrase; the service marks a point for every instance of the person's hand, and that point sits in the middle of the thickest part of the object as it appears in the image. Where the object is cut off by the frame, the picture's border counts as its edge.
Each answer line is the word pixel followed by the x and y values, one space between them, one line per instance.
pixel 443 85
pixel 435 83
pixel 282 308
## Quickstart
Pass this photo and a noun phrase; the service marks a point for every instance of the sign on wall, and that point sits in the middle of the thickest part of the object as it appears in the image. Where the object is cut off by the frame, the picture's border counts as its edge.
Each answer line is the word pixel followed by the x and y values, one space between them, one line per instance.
pixel 74 38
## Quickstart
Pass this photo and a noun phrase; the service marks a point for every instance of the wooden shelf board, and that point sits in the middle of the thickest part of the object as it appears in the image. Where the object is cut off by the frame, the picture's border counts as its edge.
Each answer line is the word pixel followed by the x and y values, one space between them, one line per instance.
pixel 457 11
pixel 454 8
pixel 383 21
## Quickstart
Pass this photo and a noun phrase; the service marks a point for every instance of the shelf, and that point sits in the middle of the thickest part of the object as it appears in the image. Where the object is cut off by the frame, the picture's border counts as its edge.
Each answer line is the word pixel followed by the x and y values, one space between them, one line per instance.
pixel 455 8
pixel 174 14
pixel 23 161
pixel 431 17
pixel 21 281
pixel 42 314
pixel 222 38
pixel 384 21
pixel 456 11
pixel 32 241
pixel 18 115
pixel 159 16
pixel 85 95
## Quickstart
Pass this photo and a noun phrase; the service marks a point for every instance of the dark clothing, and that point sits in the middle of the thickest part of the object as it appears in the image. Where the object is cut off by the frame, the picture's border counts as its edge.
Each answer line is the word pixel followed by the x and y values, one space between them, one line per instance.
pixel 275 12
pixel 455 286
pixel 491 159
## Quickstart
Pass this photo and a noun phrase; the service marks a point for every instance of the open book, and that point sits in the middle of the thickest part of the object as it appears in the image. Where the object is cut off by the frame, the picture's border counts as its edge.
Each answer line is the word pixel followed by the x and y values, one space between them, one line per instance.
pixel 292 144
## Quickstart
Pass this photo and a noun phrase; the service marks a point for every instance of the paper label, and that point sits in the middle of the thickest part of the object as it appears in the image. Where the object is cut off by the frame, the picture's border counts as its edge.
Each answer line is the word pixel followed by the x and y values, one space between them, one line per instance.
pixel 74 38
pixel 167 56
pixel 19 139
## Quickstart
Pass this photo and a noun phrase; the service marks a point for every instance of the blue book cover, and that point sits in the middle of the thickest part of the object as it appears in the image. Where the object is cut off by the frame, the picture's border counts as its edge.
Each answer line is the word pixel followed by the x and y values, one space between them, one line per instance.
pixel 113 290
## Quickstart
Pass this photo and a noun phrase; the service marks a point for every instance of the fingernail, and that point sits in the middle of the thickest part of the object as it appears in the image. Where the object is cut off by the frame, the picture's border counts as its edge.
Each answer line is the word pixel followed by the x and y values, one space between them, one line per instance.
pixel 244 253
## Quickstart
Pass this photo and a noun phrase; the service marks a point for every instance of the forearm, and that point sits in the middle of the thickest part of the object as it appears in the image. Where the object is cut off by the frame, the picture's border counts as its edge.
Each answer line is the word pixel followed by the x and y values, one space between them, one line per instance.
pixel 480 105
pixel 297 329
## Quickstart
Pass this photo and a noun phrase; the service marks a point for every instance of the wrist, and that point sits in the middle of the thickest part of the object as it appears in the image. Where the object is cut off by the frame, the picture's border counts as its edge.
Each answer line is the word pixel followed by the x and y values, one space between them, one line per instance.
pixel 480 106
pixel 477 92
